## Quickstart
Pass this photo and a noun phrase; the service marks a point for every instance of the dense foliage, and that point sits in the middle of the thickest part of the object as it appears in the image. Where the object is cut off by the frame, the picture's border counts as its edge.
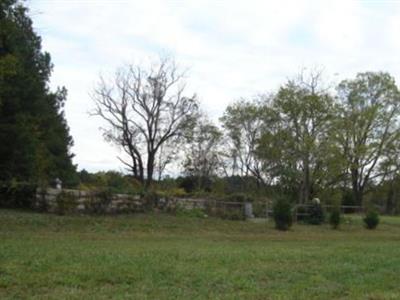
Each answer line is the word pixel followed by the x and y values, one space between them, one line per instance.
pixel 335 218
pixel 35 141
pixel 282 214
pixel 316 214
pixel 371 219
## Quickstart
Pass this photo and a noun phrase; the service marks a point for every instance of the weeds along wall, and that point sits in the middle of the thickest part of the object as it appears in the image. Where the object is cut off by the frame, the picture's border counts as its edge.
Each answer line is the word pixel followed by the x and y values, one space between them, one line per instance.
pixel 67 201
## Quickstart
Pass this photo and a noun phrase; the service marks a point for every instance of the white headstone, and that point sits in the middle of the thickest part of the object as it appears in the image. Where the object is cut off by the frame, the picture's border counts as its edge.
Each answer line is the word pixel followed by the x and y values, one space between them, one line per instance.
pixel 248 210
pixel 58 183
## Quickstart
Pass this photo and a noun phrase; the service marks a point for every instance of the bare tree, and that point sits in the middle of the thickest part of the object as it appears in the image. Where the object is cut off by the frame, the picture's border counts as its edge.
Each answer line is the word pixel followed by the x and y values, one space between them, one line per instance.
pixel 144 107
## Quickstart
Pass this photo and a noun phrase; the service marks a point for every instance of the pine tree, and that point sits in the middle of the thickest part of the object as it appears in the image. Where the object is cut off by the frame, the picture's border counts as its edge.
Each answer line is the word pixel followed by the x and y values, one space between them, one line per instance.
pixel 34 136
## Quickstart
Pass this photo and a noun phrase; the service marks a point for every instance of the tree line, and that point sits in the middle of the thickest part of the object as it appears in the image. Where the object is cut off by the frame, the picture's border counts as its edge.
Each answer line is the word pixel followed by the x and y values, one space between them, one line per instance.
pixel 307 138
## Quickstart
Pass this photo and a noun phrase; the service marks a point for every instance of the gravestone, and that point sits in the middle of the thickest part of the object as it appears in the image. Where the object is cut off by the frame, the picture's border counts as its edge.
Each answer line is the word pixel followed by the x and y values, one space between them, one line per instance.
pixel 58 183
pixel 248 210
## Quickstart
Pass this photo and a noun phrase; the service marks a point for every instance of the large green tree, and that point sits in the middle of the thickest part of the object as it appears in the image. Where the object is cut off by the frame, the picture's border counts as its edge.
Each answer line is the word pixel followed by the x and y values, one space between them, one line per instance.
pixel 294 139
pixel 35 141
pixel 305 112
pixel 367 129
pixel 243 123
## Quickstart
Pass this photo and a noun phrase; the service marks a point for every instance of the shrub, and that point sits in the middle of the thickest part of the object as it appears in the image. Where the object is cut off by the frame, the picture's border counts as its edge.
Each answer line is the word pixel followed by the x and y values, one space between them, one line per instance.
pixel 371 219
pixel 282 214
pixel 335 218
pixel 316 214
pixel 17 195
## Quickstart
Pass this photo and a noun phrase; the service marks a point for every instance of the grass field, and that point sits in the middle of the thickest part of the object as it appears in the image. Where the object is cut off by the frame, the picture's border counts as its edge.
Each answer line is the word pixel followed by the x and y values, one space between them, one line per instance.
pixel 165 257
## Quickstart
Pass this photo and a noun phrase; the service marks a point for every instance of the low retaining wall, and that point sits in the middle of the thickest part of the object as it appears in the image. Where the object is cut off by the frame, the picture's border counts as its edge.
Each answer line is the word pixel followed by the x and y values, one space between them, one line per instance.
pixel 70 201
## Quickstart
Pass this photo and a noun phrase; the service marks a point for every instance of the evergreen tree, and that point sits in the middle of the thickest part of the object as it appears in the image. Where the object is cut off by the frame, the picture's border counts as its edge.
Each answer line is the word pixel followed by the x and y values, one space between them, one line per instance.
pixel 34 135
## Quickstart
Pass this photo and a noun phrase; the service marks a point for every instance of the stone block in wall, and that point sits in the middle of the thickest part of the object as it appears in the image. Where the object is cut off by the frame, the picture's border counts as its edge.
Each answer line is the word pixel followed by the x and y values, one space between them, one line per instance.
pixel 117 202
pixel 113 206
pixel 50 198
pixel 83 194
pixel 81 200
pixel 75 193
pixel 53 192
pixel 122 197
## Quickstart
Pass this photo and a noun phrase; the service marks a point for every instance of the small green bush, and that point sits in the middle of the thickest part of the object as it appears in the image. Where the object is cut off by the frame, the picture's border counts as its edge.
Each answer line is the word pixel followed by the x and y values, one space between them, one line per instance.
pixel 335 218
pixel 316 214
pixel 282 211
pixel 371 219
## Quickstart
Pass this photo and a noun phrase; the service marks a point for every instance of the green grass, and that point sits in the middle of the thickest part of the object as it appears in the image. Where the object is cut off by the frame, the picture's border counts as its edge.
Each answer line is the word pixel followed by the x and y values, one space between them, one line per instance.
pixel 165 257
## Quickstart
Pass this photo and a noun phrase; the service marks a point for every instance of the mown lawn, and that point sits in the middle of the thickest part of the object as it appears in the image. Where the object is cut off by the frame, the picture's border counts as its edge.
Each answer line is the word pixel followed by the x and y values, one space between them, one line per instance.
pixel 165 257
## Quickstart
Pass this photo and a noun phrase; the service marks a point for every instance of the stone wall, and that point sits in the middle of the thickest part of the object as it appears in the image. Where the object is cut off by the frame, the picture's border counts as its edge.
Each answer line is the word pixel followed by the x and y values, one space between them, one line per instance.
pixel 77 201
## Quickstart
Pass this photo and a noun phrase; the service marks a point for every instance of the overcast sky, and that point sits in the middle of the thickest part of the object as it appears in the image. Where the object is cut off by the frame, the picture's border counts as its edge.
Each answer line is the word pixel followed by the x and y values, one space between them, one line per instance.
pixel 233 48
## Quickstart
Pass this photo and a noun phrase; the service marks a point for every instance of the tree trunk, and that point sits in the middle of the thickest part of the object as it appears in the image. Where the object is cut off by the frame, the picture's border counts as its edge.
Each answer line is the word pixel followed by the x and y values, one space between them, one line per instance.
pixel 134 167
pixel 141 171
pixel 306 191
pixel 358 197
pixel 389 200
pixel 358 190
pixel 305 186
pixel 150 169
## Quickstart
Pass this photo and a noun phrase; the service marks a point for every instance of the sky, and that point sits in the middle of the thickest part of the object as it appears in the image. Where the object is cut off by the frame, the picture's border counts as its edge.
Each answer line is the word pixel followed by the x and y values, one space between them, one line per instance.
pixel 232 49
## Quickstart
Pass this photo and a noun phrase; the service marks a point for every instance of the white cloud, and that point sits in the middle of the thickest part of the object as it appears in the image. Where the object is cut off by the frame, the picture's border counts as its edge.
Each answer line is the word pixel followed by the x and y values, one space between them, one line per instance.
pixel 233 48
